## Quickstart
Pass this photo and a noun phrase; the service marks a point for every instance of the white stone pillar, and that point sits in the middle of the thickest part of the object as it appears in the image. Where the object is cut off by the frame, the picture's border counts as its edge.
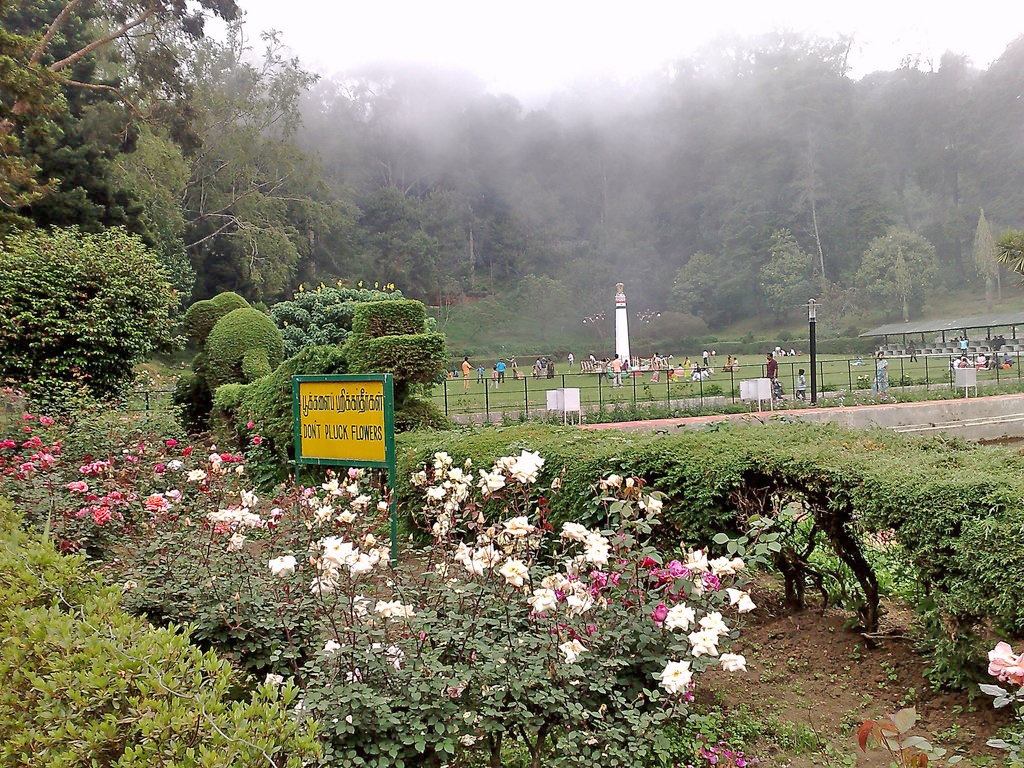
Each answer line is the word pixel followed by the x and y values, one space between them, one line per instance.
pixel 621 325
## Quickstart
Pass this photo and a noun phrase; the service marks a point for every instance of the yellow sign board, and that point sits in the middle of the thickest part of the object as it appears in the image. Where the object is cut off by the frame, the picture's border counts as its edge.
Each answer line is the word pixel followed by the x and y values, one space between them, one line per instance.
pixel 342 420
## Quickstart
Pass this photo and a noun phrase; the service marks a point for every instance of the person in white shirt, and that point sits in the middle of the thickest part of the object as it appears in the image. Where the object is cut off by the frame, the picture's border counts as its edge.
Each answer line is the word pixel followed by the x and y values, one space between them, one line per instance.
pixel 571 360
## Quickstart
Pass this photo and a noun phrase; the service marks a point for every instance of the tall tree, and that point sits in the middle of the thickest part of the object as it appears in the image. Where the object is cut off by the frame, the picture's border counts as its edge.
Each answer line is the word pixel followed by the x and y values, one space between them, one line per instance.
pixel 985 253
pixel 787 278
pixel 897 268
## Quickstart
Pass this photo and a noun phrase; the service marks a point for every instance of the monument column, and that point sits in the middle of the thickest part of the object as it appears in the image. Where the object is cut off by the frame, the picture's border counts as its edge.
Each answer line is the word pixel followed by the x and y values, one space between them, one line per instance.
pixel 621 324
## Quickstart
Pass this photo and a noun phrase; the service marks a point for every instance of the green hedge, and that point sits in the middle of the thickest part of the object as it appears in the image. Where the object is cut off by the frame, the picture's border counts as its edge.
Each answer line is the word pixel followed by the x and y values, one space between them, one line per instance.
pixel 956 508
pixel 86 684
pixel 234 334
pixel 255 364
pixel 389 318
pixel 203 315
pixel 414 358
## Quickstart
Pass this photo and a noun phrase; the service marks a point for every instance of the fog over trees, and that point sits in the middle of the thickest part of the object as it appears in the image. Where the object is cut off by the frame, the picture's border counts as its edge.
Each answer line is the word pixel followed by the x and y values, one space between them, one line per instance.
pixel 726 185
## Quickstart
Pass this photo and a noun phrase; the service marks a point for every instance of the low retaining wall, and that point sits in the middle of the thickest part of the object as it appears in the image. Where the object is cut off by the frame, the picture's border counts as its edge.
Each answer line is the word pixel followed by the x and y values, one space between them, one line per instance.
pixel 975 418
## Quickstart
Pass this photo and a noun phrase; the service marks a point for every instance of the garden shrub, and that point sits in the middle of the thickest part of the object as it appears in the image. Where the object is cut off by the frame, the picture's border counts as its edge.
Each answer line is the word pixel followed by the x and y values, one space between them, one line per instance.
pixel 203 315
pixel 267 402
pixel 193 398
pixel 943 500
pixel 389 318
pixel 80 309
pixel 234 334
pixel 323 316
pixel 224 411
pixel 85 683
pixel 255 364
pixel 420 413
pixel 417 358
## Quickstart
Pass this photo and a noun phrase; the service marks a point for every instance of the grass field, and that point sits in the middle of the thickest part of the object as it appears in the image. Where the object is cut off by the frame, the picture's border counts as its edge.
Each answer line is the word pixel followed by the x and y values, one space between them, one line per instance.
pixel 836 372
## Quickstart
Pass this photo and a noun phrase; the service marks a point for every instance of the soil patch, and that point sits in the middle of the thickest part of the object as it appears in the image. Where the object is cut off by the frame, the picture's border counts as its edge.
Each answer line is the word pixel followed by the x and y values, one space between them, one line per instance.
pixel 811 682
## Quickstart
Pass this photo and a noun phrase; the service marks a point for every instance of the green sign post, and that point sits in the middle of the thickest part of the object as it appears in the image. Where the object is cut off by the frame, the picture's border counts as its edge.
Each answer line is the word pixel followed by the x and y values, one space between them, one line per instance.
pixel 347 420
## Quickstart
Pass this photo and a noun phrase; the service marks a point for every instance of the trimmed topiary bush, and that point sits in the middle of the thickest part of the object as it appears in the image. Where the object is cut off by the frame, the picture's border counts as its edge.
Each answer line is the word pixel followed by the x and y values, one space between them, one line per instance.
pixel 203 315
pixel 80 309
pixel 417 358
pixel 87 684
pixel 255 364
pixel 234 334
pixel 389 318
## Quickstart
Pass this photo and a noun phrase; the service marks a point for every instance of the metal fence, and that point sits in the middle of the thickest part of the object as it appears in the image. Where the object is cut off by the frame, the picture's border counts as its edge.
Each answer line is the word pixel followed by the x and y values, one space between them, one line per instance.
pixel 482 397
pixel 149 400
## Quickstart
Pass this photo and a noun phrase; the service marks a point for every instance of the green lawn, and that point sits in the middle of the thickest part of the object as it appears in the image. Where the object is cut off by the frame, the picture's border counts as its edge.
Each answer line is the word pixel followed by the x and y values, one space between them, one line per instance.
pixel 836 372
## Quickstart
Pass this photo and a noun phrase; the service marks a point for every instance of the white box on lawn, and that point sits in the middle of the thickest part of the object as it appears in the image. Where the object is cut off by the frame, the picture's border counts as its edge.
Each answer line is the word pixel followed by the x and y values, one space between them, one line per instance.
pixel 556 400
pixel 966 377
pixel 571 399
pixel 756 389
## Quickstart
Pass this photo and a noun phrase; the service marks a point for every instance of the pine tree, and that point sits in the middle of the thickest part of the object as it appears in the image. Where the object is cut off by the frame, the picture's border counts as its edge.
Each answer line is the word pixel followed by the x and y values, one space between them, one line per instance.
pixel 985 258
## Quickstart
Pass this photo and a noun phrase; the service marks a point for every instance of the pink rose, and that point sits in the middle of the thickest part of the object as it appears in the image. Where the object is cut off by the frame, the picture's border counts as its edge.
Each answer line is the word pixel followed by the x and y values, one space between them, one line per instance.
pixel 101 515
pixel 1001 660
pixel 676 569
pixel 257 440
pixel 78 486
pixel 157 503
pixel 250 425
pixel 660 613
pixel 353 473
pixel 46 421
pixel 159 468
pixel 170 443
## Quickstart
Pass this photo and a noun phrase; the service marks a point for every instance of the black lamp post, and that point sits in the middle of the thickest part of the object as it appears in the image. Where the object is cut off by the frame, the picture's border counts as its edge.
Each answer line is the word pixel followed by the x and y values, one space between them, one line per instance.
pixel 812 307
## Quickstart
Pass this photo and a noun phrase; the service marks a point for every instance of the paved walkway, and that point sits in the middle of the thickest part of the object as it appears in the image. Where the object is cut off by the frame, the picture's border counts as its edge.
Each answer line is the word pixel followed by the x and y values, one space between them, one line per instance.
pixel 894 415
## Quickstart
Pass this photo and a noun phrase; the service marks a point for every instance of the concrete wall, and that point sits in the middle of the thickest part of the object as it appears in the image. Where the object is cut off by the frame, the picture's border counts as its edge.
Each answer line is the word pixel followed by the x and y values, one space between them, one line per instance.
pixel 975 418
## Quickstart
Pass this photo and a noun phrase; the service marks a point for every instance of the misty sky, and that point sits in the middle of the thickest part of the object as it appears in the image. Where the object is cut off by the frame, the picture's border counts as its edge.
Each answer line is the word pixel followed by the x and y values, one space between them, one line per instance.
pixel 530 48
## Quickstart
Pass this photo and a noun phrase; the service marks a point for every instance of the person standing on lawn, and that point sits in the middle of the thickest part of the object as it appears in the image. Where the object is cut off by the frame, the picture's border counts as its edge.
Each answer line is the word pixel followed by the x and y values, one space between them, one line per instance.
pixel 616 369
pixel 772 367
pixel 467 370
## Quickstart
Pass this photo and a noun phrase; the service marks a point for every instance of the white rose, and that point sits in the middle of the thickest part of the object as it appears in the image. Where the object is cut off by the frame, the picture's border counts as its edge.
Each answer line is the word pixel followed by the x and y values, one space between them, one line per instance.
pixel 574 532
pixel 346 517
pixel 542 601
pixel 697 560
pixel 249 499
pixel 338 552
pixel 363 564
pixel 393 609
pixel 721 566
pixel 741 600
pixel 331 645
pixel 612 481
pixel 196 476
pixel 236 542
pixel 525 468
pixel 518 526
pixel 676 677
pixel 491 482
pixel 651 504
pixel 680 617
pixel 703 643
pixel 733 662
pixel 282 566
pixel 174 465
pixel 272 679
pixel 435 493
pixel 713 623
pixel 572 650
pixel 332 487
pixel 515 572
pixel 597 549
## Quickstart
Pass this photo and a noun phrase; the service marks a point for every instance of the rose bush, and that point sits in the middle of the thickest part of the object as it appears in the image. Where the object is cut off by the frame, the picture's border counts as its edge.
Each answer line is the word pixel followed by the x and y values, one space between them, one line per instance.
pixel 574 643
